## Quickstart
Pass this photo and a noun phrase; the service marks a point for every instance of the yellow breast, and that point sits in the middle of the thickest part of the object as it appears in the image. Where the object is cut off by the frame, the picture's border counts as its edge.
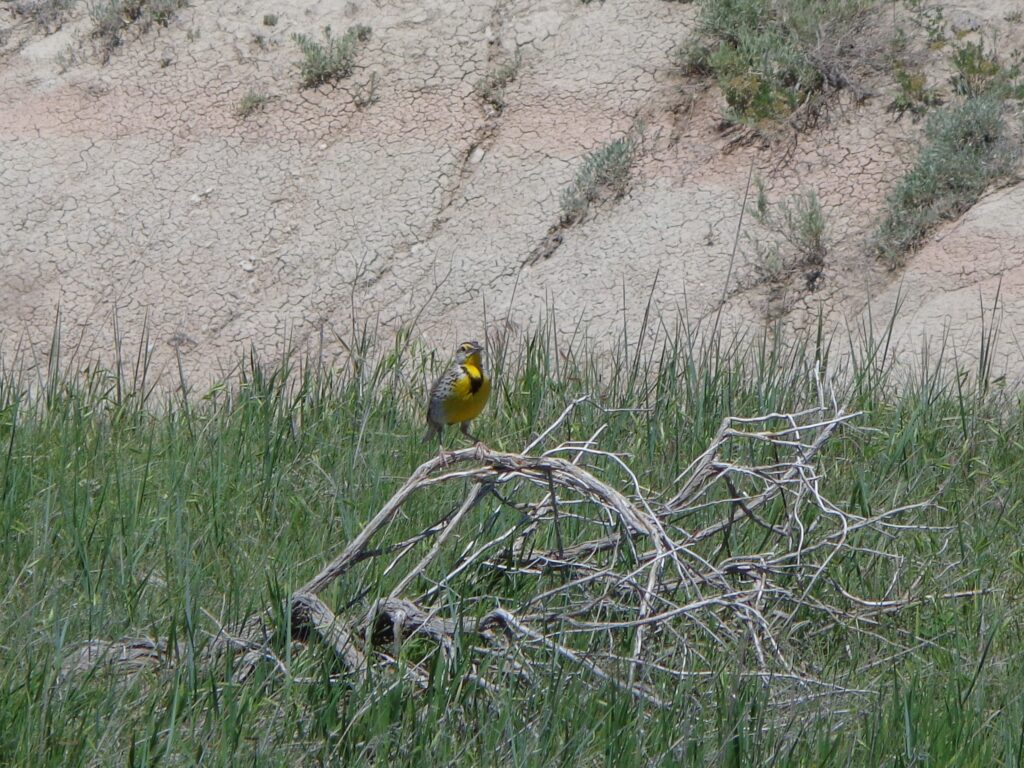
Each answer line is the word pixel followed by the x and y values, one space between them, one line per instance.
pixel 467 396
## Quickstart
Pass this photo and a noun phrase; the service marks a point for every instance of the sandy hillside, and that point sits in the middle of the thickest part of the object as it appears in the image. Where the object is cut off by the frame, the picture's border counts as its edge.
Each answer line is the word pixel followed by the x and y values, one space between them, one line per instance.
pixel 133 187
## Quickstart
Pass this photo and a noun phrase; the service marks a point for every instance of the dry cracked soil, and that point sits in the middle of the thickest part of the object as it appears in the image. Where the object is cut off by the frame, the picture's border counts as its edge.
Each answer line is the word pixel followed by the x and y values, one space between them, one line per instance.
pixel 135 198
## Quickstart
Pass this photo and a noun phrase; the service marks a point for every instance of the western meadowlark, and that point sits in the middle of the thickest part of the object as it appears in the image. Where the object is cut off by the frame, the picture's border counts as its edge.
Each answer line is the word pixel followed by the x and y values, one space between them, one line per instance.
pixel 459 395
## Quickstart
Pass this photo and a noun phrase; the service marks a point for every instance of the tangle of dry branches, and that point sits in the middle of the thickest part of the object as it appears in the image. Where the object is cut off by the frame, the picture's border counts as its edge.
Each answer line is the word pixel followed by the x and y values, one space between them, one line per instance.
pixel 563 555
pixel 544 559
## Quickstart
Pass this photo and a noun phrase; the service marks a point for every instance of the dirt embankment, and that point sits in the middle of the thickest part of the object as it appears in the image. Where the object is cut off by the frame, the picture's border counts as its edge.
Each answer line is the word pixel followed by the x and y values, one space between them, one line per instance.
pixel 134 187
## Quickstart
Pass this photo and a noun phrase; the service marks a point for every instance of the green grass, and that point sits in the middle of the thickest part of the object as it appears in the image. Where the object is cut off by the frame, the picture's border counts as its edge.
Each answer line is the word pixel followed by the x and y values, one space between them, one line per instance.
pixel 969 145
pixel 770 57
pixel 124 512
pixel 332 59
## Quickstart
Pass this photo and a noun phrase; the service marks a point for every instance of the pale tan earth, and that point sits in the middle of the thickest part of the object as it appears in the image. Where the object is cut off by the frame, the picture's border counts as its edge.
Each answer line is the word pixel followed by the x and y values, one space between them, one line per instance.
pixel 132 187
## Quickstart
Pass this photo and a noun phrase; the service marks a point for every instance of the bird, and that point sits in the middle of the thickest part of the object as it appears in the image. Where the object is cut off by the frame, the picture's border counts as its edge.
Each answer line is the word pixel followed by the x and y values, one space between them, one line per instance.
pixel 459 395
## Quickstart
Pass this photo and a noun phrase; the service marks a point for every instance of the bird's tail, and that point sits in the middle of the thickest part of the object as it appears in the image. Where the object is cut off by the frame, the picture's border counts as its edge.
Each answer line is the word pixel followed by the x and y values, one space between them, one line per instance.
pixel 432 432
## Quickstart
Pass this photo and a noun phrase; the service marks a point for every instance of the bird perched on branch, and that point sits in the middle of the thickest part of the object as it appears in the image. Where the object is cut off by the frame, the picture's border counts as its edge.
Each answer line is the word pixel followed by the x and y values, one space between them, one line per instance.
pixel 459 395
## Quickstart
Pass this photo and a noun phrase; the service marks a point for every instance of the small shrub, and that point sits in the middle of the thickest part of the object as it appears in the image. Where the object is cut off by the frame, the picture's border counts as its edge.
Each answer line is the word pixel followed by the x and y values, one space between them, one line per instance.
pixel 108 22
pixel 491 87
pixel 604 173
pixel 162 11
pixel 332 59
pixel 47 15
pixel 805 228
pixel 771 56
pixel 966 149
pixel 110 18
pixel 270 20
pixel 693 57
pixel 252 102
pixel 914 95
pixel 978 71
pixel 801 238
pixel 934 22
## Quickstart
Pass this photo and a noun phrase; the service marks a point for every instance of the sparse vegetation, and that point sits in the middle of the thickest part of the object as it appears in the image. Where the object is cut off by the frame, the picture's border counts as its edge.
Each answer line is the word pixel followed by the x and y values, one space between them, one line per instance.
pixel 491 87
pixel 369 93
pixel 800 238
pixel 603 174
pixel 915 95
pixel 333 58
pixel 111 18
pixel 978 71
pixel 771 57
pixel 47 15
pixel 253 101
pixel 967 148
pixel 933 19
pixel 270 20
pixel 161 11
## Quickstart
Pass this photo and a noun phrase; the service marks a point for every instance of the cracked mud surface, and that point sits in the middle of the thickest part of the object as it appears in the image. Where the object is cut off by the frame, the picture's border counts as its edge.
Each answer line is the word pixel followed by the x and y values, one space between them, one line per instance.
pixel 134 186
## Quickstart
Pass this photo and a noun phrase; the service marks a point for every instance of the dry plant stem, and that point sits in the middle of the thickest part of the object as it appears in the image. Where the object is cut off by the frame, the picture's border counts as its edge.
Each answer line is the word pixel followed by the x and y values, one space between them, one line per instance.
pixel 474 497
pixel 496 465
pixel 468 560
pixel 404 618
pixel 510 623
pixel 356 547
pixel 629 597
pixel 310 610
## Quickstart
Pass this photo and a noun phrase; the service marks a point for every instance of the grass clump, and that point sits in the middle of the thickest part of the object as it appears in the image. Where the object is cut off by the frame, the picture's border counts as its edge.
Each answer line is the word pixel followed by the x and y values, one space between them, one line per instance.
pixel 967 148
pixel 603 174
pixel 251 103
pixel 162 11
pixel 491 87
pixel 270 20
pixel 333 58
pixel 108 22
pixel 771 56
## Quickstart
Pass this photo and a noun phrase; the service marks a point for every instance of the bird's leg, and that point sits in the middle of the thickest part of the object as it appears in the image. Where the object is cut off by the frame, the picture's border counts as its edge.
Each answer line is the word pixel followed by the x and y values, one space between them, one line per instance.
pixel 442 454
pixel 464 428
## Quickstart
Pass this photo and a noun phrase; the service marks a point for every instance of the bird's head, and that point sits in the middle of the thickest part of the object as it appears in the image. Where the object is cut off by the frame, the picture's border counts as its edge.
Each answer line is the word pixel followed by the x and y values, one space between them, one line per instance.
pixel 469 352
